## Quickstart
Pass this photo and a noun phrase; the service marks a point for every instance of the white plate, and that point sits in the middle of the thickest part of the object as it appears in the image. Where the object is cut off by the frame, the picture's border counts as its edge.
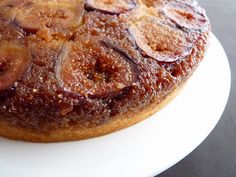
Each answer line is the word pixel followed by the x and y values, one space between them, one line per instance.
pixel 143 150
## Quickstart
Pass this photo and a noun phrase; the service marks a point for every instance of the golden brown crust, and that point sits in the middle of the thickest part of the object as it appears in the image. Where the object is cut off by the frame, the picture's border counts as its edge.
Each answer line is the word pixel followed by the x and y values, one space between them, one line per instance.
pixel 72 134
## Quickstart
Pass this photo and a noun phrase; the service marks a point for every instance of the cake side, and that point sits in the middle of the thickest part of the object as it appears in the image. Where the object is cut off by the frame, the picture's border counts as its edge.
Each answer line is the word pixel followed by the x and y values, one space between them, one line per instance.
pixel 77 133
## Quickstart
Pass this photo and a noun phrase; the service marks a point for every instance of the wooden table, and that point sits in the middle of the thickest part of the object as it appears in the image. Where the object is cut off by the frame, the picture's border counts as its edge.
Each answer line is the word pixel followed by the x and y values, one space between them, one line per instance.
pixel 216 156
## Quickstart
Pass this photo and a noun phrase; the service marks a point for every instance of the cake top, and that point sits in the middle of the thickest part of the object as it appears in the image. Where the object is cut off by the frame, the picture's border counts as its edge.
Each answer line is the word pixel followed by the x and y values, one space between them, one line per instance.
pixel 163 30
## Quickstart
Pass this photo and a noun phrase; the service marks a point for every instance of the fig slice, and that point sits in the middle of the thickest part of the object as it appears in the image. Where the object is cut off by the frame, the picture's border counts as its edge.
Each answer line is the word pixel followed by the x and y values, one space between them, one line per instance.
pixel 159 41
pixel 14 60
pixel 186 15
pixel 52 15
pixel 100 72
pixel 14 3
pixel 110 6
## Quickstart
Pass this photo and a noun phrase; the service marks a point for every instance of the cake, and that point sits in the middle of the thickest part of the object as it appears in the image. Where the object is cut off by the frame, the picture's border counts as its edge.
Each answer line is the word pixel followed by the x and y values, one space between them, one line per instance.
pixel 74 69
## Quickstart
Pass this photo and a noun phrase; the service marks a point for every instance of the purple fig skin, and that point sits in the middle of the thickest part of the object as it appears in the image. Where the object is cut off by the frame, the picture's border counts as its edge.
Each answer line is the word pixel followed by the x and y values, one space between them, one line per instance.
pixel 35 17
pixel 14 61
pixel 109 9
pixel 161 56
pixel 187 16
pixel 94 92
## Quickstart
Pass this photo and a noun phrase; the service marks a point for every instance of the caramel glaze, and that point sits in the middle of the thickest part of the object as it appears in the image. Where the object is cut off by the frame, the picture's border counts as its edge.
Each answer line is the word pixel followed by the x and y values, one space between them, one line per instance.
pixel 49 96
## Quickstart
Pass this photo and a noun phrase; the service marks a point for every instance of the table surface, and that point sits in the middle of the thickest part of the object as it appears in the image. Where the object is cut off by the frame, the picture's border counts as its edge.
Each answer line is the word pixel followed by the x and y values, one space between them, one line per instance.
pixel 216 156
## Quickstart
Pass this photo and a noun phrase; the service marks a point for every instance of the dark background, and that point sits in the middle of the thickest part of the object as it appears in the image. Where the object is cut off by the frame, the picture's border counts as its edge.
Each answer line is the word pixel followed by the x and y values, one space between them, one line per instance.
pixel 216 156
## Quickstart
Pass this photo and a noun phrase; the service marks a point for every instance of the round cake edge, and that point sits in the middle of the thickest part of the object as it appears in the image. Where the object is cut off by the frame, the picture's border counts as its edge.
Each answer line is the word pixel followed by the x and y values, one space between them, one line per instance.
pixel 73 134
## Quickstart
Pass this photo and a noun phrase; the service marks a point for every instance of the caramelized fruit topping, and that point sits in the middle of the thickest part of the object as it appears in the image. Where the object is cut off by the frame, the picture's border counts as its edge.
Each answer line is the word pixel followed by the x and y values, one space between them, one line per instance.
pixel 159 41
pixel 110 6
pixel 100 71
pixel 51 15
pixel 14 60
pixel 188 16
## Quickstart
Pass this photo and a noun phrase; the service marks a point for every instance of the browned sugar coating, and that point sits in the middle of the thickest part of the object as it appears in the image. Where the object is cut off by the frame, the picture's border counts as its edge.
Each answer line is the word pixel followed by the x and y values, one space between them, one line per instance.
pixel 86 64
